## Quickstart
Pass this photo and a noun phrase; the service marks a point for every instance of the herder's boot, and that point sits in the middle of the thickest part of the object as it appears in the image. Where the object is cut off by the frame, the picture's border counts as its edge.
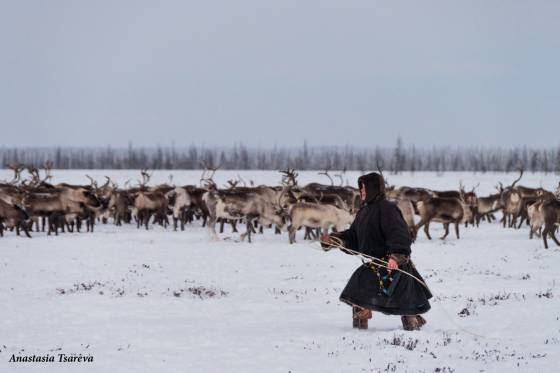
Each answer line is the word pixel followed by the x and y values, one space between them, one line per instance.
pixel 410 322
pixel 360 317
pixel 421 321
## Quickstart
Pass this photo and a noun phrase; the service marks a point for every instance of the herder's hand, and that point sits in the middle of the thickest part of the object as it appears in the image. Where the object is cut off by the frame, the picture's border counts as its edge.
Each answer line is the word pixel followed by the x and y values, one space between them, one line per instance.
pixel 393 264
pixel 326 242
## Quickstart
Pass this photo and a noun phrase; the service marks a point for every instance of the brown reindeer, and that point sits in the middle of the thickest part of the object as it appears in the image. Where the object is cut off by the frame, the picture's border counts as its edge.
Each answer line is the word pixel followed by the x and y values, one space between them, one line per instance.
pixel 148 203
pixel 471 200
pixel 13 216
pixel 444 210
pixel 486 206
pixel 511 201
pixel 551 213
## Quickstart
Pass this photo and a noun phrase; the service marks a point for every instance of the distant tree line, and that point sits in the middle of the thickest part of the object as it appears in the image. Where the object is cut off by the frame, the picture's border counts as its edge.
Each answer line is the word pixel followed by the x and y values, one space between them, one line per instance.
pixel 397 158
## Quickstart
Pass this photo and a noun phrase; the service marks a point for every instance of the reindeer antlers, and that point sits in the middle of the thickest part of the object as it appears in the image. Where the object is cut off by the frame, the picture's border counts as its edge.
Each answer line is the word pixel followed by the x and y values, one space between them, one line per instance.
pixel 474 187
pixel 519 178
pixel 290 177
pixel 17 168
pixel 92 181
pixel 232 183
pixel 48 165
pixel 326 173
pixel 34 172
pixel 379 168
pixel 341 176
pixel 208 179
pixel 145 176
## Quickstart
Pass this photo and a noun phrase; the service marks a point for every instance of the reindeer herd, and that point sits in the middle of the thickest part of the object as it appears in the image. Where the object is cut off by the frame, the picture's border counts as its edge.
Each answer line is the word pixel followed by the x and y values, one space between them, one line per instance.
pixel 36 205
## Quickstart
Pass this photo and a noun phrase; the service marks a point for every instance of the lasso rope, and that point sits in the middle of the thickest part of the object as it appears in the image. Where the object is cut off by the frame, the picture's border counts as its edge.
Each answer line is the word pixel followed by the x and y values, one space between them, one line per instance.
pixel 337 243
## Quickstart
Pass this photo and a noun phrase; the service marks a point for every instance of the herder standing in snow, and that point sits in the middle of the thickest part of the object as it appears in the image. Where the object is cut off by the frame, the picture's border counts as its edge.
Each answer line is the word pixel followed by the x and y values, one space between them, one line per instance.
pixel 380 231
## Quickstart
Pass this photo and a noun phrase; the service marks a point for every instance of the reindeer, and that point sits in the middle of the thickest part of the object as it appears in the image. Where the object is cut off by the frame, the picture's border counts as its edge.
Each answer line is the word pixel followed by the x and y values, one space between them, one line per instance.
pixel 118 204
pixel 412 194
pixel 471 200
pixel 237 205
pixel 182 202
pixel 207 180
pixel 342 197
pixel 59 202
pixel 535 215
pixel 407 209
pixel 551 214
pixel 444 210
pixel 511 201
pixel 317 216
pixel 486 206
pixel 147 203
pixel 13 216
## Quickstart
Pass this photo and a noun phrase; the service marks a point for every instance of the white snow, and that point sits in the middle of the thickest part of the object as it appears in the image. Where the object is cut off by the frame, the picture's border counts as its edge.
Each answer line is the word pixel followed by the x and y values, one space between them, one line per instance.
pixel 122 295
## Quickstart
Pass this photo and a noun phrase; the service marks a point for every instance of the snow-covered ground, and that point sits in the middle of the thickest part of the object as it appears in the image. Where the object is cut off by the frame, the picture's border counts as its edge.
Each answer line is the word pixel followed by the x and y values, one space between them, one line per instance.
pixel 164 301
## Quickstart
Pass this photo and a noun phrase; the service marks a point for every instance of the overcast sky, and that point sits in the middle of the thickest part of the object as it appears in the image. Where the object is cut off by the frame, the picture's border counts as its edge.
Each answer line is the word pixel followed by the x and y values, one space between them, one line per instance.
pixel 278 72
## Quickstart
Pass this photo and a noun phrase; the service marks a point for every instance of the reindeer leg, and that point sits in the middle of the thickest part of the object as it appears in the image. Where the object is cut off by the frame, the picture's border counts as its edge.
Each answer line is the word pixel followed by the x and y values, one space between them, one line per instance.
pixel 427 230
pixel 553 235
pixel 520 222
pixel 291 234
pixel 446 226
pixel 211 225
pixel 545 233
pixel 25 230
pixel 250 228
pixel 457 230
